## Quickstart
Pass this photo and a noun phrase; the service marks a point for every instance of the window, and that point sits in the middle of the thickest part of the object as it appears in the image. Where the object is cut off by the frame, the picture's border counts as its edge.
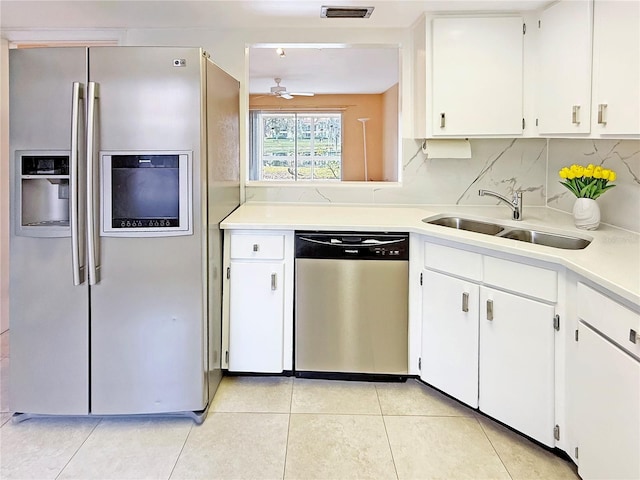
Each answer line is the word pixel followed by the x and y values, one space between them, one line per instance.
pixel 295 146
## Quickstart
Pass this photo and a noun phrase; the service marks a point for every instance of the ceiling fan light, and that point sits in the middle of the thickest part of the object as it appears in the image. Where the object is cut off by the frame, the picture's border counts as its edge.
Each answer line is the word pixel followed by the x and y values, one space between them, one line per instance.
pixel 345 12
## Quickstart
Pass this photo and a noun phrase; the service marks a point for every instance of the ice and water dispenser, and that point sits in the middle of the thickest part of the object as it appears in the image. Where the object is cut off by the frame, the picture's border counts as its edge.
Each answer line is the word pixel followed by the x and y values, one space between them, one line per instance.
pixel 42 194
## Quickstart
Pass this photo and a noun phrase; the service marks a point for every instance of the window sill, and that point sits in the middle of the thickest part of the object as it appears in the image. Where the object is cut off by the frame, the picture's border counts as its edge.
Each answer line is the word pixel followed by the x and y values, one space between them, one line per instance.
pixel 311 184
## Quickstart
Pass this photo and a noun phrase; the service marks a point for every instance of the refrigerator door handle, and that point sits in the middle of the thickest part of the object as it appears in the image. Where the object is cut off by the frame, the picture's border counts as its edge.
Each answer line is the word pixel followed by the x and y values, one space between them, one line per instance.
pixel 78 277
pixel 92 96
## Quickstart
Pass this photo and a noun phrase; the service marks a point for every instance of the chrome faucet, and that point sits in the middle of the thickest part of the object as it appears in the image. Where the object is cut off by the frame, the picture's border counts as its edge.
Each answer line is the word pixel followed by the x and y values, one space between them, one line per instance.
pixel 515 203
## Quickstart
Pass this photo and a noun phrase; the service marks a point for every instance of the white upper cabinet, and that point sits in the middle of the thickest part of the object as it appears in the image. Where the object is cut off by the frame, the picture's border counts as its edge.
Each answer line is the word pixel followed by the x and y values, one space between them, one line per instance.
pixel 563 87
pixel 477 76
pixel 616 67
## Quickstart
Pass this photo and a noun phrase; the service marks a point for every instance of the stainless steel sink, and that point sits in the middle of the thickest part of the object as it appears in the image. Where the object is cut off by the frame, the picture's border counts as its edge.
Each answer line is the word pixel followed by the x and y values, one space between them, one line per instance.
pixel 466 224
pixel 546 238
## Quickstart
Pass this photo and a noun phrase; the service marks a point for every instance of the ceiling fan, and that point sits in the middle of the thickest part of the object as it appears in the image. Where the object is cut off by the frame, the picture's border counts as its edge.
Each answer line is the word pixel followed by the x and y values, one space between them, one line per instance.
pixel 280 91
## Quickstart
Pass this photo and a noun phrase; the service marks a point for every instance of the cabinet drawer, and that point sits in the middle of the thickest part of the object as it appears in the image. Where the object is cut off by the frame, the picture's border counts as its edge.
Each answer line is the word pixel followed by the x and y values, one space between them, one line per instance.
pixel 520 278
pixel 609 317
pixel 258 247
pixel 457 262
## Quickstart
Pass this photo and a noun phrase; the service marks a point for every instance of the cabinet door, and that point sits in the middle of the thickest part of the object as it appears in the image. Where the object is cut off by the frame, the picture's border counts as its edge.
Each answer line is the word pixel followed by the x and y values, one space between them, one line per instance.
pixel 616 64
pixel 564 82
pixel 517 363
pixel 450 336
pixel 256 312
pixel 608 409
pixel 477 76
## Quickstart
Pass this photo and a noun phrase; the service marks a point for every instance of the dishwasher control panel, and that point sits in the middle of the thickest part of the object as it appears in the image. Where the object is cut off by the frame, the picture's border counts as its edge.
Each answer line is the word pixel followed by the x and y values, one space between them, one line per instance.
pixel 352 245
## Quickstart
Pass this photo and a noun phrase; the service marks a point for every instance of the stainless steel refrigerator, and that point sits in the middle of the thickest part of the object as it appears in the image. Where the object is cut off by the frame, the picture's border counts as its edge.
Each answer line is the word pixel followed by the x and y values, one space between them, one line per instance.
pixel 123 162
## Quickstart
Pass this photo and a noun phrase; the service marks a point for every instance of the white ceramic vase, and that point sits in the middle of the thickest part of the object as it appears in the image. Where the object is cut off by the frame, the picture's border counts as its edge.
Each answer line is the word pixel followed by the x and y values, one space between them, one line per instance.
pixel 586 213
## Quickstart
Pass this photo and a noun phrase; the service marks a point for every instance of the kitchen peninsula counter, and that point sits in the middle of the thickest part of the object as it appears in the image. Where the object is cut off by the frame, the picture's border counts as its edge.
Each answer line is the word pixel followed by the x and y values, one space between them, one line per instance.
pixel 611 261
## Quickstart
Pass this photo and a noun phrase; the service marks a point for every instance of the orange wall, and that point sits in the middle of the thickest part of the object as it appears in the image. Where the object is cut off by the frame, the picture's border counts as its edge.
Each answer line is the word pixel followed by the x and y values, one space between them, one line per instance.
pixel 352 107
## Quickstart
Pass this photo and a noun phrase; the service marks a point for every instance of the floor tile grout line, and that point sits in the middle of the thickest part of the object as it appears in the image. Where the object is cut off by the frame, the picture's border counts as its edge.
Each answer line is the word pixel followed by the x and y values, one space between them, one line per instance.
pixel 286 445
pixel 181 450
pixel 79 448
pixel 384 424
pixel 494 447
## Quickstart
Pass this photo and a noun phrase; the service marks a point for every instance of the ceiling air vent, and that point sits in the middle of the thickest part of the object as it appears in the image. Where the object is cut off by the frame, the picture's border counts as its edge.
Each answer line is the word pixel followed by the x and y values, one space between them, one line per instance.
pixel 346 12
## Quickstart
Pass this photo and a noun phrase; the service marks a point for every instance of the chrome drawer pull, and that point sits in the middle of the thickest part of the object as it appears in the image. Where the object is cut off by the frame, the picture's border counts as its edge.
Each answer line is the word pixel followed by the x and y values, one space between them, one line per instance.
pixel 465 302
pixel 256 247
pixel 489 309
pixel 274 281
pixel 442 120
pixel 575 115
pixel 601 110
pixel 634 337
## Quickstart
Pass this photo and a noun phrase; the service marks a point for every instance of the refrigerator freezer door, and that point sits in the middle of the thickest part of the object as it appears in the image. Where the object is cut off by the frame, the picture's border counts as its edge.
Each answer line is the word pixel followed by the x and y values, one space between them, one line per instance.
pixel 49 315
pixel 148 306
pixel 223 194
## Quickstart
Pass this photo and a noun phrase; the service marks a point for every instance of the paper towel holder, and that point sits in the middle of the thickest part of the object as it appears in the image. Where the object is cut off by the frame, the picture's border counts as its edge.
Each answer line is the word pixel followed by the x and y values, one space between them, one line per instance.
pixel 424 143
pixel 459 148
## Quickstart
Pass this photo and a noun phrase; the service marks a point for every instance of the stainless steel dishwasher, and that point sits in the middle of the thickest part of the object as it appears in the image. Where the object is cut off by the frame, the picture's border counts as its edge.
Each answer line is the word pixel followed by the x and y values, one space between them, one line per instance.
pixel 351 303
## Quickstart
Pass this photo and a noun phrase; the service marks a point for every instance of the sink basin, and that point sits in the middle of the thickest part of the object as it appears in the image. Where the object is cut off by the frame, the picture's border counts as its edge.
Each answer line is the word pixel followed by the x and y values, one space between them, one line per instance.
pixel 466 224
pixel 548 239
pixel 545 238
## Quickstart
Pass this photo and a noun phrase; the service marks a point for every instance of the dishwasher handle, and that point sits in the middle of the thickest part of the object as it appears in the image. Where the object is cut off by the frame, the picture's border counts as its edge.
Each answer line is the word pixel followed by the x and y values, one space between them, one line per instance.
pixel 338 242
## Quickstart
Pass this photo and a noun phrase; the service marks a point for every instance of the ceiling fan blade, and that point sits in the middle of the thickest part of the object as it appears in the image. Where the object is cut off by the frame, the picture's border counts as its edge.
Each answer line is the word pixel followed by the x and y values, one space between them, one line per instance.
pixel 286 96
pixel 302 94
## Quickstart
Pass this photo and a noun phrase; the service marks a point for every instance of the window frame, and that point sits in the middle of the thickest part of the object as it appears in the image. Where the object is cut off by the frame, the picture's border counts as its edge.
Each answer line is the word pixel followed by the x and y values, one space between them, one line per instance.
pixel 256 134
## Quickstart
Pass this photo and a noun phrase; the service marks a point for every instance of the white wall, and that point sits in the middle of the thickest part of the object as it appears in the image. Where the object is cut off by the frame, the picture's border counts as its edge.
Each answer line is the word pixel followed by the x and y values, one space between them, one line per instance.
pixel 4 185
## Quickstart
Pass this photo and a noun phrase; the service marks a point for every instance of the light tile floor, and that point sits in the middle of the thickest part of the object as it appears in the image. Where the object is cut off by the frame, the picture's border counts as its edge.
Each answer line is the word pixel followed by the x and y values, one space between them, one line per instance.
pixel 275 428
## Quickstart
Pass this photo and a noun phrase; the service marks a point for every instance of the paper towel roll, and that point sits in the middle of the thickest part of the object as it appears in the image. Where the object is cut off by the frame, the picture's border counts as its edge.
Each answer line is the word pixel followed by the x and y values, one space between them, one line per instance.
pixel 449 148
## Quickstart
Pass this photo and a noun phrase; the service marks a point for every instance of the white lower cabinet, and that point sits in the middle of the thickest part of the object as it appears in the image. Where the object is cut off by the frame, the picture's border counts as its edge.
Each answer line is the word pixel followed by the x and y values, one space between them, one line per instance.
pixel 608 410
pixel 516 380
pixel 489 348
pixel 257 308
pixel 607 396
pixel 450 336
pixel 257 334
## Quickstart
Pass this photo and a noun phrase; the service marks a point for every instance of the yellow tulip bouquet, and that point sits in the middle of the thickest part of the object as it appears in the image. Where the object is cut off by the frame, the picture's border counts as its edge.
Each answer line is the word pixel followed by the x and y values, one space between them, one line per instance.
pixel 587 182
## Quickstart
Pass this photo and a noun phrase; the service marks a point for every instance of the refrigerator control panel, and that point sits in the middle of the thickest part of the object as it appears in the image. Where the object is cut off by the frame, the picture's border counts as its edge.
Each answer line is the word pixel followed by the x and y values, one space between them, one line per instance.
pixel 146 194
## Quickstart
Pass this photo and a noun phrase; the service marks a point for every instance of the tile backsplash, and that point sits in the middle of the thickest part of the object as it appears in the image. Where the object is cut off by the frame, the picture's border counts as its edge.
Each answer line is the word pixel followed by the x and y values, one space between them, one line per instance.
pixel 501 165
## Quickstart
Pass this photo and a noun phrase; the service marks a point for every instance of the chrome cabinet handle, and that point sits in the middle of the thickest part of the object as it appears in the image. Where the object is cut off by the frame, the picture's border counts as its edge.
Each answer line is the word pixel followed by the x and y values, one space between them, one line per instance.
pixel 256 247
pixel 575 115
pixel 274 281
pixel 442 120
pixel 465 301
pixel 489 309
pixel 601 113
pixel 75 184
pixel 634 336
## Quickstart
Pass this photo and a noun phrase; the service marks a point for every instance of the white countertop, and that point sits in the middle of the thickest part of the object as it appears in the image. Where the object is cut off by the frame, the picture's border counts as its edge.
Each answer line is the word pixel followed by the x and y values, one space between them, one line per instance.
pixel 612 260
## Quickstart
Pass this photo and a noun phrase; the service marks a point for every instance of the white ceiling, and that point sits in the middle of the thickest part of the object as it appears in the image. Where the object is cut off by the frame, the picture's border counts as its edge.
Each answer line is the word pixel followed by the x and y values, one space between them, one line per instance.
pixel 324 70
pixel 222 14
